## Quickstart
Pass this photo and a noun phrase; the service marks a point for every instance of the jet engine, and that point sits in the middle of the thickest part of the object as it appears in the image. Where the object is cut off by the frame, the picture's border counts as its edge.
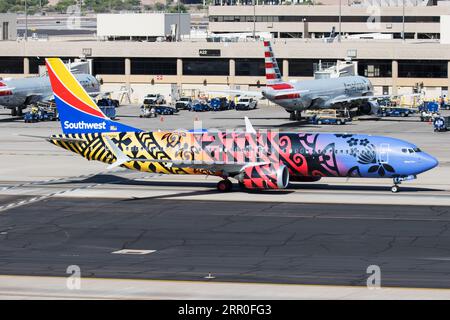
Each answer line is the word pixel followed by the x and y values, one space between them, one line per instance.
pixel 305 179
pixel 368 108
pixel 266 176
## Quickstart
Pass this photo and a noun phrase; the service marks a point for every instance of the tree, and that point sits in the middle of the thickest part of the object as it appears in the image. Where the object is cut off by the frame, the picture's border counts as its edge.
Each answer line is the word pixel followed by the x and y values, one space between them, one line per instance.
pixel 159 6
pixel 19 5
pixel 62 5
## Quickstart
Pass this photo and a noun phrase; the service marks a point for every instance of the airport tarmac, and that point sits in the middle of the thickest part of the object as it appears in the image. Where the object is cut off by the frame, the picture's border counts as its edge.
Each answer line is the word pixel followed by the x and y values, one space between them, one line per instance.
pixel 57 209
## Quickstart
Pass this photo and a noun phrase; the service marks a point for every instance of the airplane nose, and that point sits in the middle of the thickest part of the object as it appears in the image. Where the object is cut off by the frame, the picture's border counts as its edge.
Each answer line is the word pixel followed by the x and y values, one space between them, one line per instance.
pixel 429 162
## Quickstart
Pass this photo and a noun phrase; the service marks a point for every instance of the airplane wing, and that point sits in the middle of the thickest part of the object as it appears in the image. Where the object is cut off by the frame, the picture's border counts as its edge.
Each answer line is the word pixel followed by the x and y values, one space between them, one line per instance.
pixel 48 98
pixel 6 89
pixel 343 99
pixel 289 92
pixel 259 94
pixel 231 168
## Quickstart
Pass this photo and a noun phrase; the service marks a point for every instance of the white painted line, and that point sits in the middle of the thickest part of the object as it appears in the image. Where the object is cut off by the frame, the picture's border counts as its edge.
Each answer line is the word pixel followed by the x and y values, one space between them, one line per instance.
pixel 133 251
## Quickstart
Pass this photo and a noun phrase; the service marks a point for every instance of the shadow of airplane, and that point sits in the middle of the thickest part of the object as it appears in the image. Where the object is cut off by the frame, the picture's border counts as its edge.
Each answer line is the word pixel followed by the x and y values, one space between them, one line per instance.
pixel 112 179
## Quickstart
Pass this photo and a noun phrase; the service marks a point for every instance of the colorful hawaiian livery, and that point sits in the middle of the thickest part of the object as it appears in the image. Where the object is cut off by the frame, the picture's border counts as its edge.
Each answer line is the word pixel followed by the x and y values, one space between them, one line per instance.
pixel 256 159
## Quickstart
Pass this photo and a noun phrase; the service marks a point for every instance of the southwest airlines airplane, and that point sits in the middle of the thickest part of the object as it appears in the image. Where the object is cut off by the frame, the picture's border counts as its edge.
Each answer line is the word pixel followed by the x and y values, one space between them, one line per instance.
pixel 256 159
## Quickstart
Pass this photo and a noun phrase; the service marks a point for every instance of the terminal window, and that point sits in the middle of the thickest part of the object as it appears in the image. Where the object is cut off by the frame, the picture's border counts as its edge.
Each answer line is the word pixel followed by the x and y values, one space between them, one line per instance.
pixel 253 67
pixel 305 67
pixel 109 66
pixel 422 69
pixel 151 66
pixel 11 65
pixel 206 67
pixel 375 68
pixel 36 62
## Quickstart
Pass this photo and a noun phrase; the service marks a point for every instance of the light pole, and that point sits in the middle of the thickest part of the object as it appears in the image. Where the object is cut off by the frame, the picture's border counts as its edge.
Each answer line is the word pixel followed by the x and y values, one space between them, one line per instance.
pixel 179 21
pixel 340 19
pixel 26 20
pixel 403 21
pixel 254 19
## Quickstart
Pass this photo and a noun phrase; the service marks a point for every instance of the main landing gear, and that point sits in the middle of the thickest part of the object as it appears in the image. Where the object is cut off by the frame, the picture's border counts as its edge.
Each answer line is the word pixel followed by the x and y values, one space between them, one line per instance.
pixel 295 116
pixel 224 185
pixel 17 112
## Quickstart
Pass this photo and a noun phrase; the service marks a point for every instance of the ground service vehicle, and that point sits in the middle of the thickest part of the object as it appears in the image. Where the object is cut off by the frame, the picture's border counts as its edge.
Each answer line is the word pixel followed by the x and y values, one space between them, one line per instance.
pixel 184 103
pixel 394 112
pixel 148 111
pixel 330 116
pixel 154 98
pixel 108 107
pixel 441 124
pixel 245 103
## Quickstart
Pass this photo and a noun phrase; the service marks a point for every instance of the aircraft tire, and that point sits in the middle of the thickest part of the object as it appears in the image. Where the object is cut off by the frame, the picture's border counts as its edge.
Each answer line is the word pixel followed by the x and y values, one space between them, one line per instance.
pixel 13 112
pixel 224 185
pixel 395 189
pixel 292 116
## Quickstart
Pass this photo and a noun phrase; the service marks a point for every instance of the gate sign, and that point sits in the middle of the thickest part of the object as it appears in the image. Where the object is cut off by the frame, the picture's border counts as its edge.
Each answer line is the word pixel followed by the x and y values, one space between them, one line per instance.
pixel 209 52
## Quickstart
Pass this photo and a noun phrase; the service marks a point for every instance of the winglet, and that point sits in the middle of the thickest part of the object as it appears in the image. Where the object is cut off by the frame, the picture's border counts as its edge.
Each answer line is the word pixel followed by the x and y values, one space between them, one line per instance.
pixel 121 157
pixel 248 126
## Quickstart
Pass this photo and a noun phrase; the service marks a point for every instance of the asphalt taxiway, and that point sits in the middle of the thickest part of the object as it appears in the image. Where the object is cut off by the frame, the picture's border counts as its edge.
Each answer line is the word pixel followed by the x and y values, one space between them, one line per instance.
pixel 234 241
pixel 57 209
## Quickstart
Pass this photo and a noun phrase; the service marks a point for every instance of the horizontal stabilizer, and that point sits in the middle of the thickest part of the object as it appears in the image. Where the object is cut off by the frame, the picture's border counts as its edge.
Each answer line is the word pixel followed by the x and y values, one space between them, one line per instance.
pixel 54 138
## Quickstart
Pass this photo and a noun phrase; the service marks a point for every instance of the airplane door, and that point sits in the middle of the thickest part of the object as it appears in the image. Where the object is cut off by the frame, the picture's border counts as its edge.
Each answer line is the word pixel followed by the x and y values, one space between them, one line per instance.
pixel 383 155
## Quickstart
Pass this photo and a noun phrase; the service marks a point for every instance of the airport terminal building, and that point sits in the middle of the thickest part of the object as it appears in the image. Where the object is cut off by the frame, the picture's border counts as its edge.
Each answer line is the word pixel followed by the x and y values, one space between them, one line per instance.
pixel 393 65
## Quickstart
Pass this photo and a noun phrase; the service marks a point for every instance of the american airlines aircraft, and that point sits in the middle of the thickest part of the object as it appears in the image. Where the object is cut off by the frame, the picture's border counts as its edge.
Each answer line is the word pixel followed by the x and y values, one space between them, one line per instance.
pixel 295 97
pixel 17 94
pixel 256 159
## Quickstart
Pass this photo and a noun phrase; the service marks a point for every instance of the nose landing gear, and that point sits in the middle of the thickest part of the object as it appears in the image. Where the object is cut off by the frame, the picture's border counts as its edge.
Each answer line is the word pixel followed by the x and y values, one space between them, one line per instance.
pixel 395 188
pixel 397 180
pixel 224 185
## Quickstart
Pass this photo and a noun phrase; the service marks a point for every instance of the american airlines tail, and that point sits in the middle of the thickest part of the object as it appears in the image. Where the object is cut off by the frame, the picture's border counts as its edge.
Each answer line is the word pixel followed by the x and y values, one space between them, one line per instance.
pixel 78 113
pixel 273 74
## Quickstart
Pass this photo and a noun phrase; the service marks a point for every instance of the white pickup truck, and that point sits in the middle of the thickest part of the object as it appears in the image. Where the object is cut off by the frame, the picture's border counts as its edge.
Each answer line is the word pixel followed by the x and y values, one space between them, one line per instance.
pixel 245 103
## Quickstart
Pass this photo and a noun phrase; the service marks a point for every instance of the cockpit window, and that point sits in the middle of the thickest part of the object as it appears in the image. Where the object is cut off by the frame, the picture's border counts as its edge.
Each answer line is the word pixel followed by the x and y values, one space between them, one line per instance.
pixel 404 150
pixel 417 150
pixel 411 150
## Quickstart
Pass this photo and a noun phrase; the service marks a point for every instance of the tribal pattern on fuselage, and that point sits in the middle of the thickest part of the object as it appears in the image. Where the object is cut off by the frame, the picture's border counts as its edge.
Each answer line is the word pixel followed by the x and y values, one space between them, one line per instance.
pixel 304 154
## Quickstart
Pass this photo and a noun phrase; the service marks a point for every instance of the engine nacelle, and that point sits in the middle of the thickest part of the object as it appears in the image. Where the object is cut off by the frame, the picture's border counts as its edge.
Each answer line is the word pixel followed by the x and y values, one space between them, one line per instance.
pixel 369 108
pixel 305 179
pixel 267 176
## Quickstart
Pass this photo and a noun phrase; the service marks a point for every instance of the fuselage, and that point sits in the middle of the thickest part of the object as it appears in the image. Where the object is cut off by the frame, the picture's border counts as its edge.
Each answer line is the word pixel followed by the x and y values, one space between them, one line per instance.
pixel 319 93
pixel 304 154
pixel 27 91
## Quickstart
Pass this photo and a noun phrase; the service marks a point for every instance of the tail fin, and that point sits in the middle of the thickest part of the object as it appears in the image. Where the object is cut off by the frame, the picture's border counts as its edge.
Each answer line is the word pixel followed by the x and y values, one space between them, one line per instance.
pixel 78 113
pixel 273 74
